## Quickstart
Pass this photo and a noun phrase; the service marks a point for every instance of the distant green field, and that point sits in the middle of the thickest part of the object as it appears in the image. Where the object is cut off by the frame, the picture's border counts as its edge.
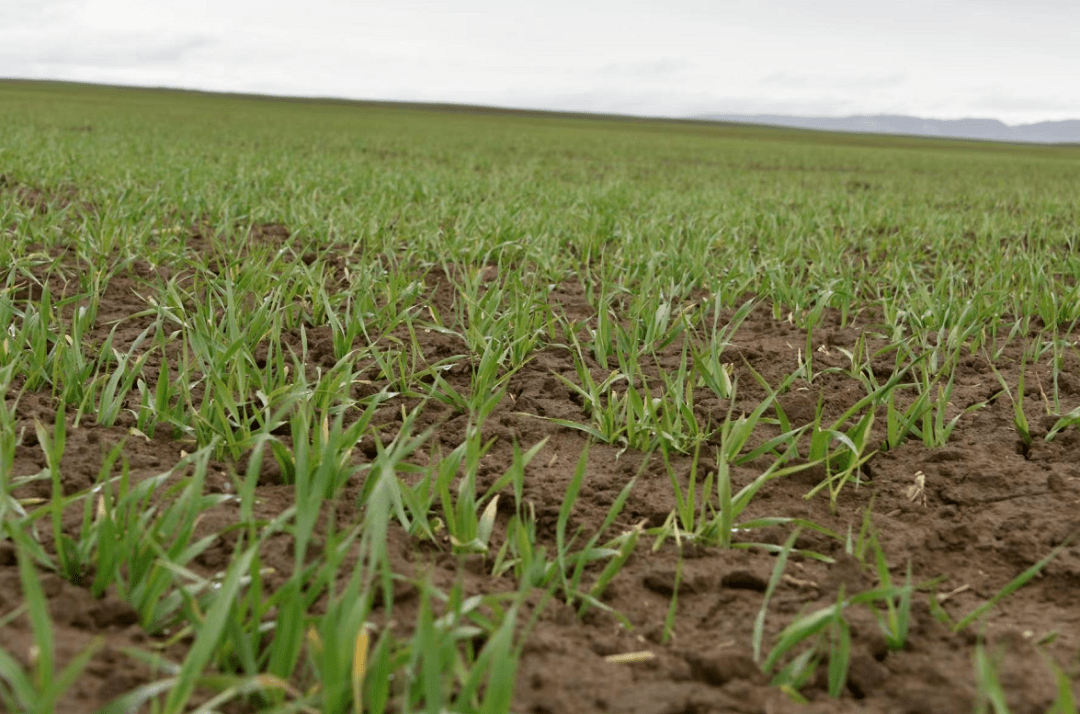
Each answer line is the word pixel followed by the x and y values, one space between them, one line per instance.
pixel 785 214
pixel 335 403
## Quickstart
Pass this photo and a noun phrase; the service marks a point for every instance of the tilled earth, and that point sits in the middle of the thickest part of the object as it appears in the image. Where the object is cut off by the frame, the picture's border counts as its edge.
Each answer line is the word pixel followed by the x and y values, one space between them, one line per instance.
pixel 989 507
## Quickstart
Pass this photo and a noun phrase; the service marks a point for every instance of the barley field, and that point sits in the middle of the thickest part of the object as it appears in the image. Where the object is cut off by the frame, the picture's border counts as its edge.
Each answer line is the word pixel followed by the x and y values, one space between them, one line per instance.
pixel 324 406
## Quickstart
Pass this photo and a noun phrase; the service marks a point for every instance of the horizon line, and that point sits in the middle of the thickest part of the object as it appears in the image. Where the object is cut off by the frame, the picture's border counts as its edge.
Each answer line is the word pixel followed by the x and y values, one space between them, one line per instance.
pixel 695 116
pixel 738 119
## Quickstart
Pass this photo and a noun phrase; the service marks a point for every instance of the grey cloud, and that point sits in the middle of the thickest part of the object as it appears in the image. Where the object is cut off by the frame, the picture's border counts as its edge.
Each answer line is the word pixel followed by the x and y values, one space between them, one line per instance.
pixel 654 69
pixel 34 14
pixel 789 57
pixel 117 50
pixel 791 80
pixel 998 102
pixel 871 81
pixel 787 79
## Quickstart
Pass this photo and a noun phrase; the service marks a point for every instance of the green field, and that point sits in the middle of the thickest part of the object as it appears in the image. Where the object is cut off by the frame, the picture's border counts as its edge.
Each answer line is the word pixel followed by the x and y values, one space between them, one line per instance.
pixel 320 406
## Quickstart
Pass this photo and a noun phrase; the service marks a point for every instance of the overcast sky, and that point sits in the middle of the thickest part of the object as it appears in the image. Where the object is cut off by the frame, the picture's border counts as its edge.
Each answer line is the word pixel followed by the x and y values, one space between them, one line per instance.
pixel 1015 61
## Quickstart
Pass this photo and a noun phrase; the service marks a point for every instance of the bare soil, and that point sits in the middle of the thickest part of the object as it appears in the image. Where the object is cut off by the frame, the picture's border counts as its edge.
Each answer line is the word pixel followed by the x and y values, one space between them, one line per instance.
pixel 991 508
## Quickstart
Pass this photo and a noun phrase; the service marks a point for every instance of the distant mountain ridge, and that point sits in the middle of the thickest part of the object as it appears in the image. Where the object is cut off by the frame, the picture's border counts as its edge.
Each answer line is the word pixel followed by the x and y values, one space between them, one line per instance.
pixel 1046 132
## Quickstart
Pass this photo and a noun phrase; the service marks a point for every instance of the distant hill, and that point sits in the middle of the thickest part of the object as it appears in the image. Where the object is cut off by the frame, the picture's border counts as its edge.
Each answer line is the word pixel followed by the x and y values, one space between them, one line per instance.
pixel 1046 132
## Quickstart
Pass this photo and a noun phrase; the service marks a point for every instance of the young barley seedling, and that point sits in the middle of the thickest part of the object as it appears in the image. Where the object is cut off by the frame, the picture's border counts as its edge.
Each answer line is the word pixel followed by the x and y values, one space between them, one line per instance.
pixel 40 689
pixel 774 580
pixel 991 694
pixel 1012 586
